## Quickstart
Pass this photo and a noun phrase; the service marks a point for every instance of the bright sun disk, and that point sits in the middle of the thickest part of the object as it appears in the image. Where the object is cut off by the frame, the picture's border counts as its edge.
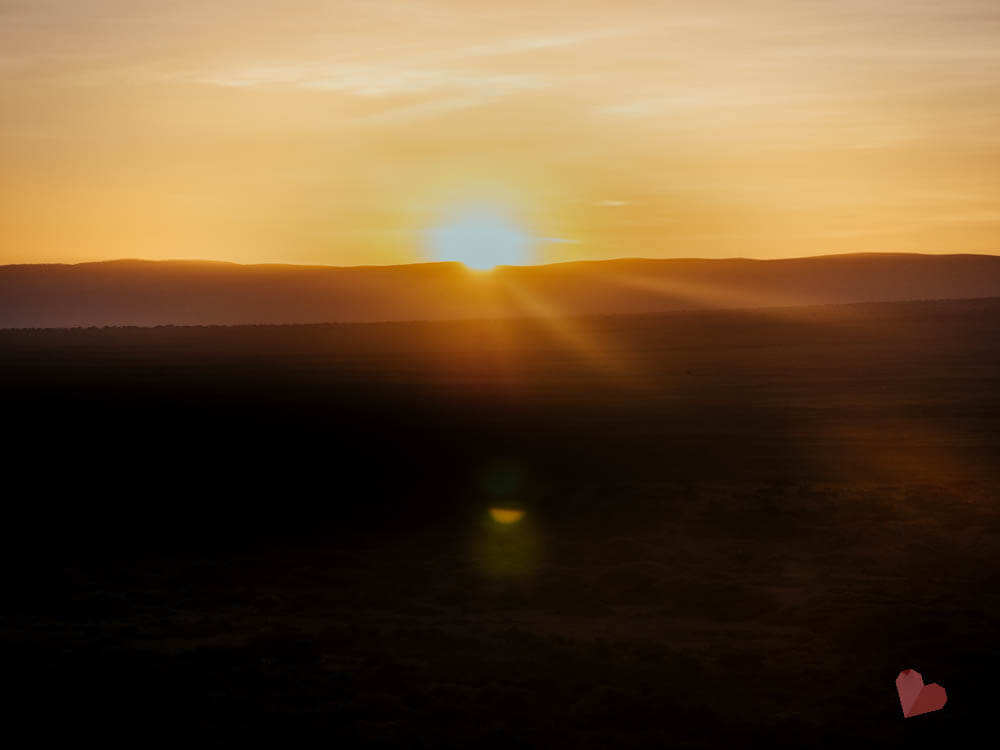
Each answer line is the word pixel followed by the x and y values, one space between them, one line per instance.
pixel 480 240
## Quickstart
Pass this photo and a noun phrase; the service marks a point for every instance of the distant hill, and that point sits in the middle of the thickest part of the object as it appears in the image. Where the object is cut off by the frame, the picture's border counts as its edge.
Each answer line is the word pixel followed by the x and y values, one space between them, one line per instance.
pixel 149 293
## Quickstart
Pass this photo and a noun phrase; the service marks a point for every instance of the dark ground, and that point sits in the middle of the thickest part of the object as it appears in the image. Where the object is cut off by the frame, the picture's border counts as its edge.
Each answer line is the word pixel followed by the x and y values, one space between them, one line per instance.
pixel 739 528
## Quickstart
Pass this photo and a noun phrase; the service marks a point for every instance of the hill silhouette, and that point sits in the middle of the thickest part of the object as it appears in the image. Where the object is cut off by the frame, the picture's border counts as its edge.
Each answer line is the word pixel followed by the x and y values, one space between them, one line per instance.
pixel 149 293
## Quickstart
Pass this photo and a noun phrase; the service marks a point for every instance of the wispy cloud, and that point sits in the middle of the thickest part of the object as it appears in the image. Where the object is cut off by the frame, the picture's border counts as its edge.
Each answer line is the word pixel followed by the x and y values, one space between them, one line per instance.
pixel 424 110
pixel 366 81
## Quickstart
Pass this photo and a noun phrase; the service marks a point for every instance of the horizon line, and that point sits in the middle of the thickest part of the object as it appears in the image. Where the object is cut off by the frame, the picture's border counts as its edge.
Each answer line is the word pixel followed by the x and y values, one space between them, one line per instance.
pixel 201 261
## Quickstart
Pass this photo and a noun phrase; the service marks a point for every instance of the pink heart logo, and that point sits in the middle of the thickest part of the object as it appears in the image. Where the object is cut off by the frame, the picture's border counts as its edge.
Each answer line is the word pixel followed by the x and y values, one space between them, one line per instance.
pixel 917 698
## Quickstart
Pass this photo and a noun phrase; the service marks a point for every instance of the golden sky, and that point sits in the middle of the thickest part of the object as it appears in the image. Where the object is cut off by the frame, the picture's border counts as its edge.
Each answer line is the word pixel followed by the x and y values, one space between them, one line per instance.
pixel 338 132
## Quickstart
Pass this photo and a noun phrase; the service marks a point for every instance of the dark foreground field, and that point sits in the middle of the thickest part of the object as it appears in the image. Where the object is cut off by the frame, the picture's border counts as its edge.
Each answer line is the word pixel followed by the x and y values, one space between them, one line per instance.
pixel 739 527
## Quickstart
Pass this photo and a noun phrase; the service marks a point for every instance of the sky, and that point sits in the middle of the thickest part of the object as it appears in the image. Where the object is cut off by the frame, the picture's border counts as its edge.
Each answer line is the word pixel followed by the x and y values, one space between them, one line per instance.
pixel 344 132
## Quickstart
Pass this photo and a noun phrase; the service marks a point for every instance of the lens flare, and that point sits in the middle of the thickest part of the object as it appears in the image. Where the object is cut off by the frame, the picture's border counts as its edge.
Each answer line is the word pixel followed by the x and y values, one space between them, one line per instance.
pixel 508 545
pixel 506 516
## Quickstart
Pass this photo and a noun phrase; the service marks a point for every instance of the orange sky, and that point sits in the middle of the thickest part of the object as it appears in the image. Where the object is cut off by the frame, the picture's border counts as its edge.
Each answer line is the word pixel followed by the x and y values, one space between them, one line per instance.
pixel 337 132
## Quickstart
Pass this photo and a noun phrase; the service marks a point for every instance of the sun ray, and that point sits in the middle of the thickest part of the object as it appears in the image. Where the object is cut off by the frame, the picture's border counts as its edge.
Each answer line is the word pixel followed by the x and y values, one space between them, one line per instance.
pixel 713 295
pixel 567 329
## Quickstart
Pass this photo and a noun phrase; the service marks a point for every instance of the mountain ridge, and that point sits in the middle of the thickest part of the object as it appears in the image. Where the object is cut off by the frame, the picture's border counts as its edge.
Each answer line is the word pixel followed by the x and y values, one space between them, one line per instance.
pixel 563 263
pixel 182 292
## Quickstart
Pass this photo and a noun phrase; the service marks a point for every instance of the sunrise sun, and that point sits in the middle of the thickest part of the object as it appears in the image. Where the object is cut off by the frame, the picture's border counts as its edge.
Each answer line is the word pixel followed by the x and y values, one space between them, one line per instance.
pixel 480 240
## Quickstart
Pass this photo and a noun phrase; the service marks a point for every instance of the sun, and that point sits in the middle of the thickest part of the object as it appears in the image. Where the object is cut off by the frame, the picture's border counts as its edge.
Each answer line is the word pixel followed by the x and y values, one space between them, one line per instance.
pixel 480 240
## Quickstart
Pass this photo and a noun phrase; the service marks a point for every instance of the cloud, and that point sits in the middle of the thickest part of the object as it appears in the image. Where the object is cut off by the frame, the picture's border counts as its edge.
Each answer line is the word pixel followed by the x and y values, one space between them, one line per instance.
pixel 612 203
pixel 367 80
pixel 425 110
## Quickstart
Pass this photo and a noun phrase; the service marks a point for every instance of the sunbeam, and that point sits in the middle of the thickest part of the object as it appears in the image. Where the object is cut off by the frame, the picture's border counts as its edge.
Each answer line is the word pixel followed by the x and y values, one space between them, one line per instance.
pixel 569 331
